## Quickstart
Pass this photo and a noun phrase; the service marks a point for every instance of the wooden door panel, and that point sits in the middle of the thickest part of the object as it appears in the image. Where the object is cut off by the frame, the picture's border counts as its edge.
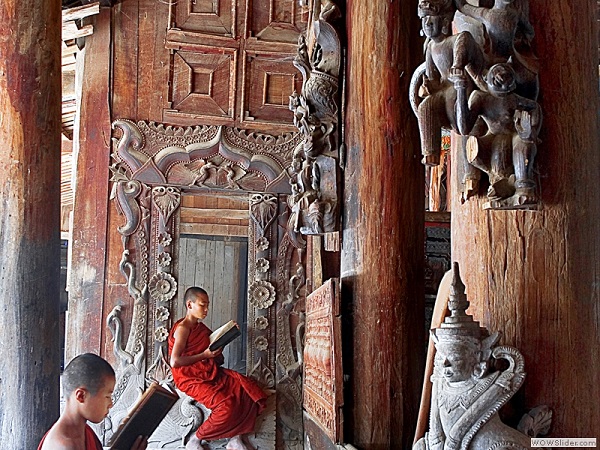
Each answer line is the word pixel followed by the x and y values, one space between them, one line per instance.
pixel 216 17
pixel 269 81
pixel 276 20
pixel 203 84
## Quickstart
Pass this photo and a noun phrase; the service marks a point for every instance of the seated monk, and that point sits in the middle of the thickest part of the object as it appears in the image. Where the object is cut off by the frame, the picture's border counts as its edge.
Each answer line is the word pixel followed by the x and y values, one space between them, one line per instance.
pixel 88 382
pixel 235 401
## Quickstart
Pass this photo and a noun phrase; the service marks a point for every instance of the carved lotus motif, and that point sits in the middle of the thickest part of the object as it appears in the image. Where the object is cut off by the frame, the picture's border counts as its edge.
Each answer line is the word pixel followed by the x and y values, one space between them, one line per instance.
pixel 164 239
pixel 164 259
pixel 261 323
pixel 161 334
pixel 262 244
pixel 162 287
pixel 162 313
pixel 262 294
pixel 262 265
pixel 261 343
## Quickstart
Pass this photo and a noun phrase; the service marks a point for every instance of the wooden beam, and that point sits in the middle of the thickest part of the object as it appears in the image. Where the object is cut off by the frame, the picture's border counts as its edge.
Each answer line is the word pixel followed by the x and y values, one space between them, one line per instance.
pixel 71 31
pixel 80 12
pixel 196 213
pixel 213 229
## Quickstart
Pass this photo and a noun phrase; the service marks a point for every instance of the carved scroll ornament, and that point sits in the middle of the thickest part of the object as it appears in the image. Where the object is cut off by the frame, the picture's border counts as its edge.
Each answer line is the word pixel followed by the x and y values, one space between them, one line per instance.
pixel 203 156
pixel 467 394
pixel 482 83
pixel 313 172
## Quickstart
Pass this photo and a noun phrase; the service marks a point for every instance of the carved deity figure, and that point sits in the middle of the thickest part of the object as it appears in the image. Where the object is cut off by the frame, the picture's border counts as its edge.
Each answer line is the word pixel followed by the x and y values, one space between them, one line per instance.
pixel 467 392
pixel 481 82
pixel 510 127
pixel 445 54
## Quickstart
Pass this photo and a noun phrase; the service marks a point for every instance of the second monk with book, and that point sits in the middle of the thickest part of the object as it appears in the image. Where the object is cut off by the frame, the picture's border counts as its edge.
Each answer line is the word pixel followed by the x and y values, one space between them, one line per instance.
pixel 235 400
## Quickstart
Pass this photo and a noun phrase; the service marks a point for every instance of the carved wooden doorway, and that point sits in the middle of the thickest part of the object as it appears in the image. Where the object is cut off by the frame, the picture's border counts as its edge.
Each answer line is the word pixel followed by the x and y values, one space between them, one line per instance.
pixel 192 217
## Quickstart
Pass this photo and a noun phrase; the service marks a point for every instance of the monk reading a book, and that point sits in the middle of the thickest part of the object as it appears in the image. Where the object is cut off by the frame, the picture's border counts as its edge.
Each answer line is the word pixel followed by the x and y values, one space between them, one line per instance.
pixel 88 382
pixel 235 400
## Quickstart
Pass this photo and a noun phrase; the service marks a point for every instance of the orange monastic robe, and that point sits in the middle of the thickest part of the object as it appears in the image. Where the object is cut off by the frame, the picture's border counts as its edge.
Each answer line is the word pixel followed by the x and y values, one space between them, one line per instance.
pixel 91 440
pixel 235 400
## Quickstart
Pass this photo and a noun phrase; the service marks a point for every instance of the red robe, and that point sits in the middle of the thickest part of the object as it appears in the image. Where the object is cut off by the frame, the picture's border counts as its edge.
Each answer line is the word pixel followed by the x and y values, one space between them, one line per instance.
pixel 235 400
pixel 91 440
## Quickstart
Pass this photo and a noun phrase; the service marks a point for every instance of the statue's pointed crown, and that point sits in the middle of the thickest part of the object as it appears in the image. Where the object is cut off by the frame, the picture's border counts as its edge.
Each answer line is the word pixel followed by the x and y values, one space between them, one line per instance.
pixel 459 324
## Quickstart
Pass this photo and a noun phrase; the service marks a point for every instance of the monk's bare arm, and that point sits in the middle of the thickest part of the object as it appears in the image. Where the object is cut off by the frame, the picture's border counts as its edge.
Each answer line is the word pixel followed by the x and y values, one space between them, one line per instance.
pixel 178 359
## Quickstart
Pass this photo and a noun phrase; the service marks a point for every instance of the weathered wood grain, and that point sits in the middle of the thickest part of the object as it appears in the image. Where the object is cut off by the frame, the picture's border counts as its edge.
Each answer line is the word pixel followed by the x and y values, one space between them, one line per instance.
pixel 90 204
pixel 382 249
pixel 30 96
pixel 534 275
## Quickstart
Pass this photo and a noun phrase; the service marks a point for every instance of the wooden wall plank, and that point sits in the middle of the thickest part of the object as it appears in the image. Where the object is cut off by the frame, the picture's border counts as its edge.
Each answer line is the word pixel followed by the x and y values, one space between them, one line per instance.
pixel 125 60
pixel 86 283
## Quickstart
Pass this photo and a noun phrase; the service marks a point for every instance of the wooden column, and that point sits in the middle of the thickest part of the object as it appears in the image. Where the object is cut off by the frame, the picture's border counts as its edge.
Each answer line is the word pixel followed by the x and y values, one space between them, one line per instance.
pixel 30 119
pixel 534 275
pixel 382 247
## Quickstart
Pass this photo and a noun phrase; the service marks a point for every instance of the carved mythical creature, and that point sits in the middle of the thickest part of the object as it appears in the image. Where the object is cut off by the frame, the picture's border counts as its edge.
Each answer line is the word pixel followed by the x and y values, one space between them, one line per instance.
pixel 314 197
pixel 467 393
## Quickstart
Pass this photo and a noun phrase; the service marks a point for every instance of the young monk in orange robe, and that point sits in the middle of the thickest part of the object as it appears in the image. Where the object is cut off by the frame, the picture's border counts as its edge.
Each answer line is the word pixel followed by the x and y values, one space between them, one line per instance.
pixel 88 382
pixel 235 400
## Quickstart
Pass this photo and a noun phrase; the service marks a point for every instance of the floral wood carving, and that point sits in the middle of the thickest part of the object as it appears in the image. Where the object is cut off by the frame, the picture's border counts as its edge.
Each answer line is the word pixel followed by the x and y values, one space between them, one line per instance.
pixel 208 155
pixel 482 83
pixel 313 172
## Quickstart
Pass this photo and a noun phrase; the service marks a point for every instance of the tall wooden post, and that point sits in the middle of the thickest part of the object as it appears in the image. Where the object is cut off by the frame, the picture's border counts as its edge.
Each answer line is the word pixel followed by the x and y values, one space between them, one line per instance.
pixel 30 98
pixel 382 249
pixel 534 275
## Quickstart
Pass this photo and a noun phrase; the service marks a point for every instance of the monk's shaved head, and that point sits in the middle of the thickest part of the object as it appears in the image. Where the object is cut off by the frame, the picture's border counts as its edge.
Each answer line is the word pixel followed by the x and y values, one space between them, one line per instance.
pixel 88 371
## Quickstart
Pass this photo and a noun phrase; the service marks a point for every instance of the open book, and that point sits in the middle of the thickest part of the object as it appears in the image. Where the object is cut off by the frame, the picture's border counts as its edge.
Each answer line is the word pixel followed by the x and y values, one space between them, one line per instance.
pixel 144 417
pixel 223 335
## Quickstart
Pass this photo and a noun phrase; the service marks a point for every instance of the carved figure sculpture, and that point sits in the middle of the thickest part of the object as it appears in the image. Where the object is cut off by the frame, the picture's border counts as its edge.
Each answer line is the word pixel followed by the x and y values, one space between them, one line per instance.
pixel 510 128
pixel 445 54
pixel 312 173
pixel 484 87
pixel 467 393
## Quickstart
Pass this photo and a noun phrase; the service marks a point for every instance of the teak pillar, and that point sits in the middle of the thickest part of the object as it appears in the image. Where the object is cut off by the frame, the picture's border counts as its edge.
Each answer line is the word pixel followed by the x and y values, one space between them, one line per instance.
pixel 382 248
pixel 534 274
pixel 30 99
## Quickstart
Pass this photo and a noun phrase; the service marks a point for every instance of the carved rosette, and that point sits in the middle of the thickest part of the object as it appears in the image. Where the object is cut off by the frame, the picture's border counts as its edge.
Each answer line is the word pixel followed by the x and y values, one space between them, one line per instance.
pixel 262 294
pixel 162 287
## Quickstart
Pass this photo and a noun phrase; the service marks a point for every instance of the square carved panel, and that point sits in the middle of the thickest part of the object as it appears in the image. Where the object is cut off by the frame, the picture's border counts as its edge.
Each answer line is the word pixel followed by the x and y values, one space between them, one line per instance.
pixel 203 85
pixel 213 17
pixel 269 82
pixel 276 20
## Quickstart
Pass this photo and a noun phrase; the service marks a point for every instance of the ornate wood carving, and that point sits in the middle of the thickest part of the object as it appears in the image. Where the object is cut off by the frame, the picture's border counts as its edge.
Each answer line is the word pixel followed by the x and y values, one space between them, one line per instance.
pixel 204 156
pixel 146 155
pixel 467 393
pixel 481 82
pixel 323 397
pixel 314 200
